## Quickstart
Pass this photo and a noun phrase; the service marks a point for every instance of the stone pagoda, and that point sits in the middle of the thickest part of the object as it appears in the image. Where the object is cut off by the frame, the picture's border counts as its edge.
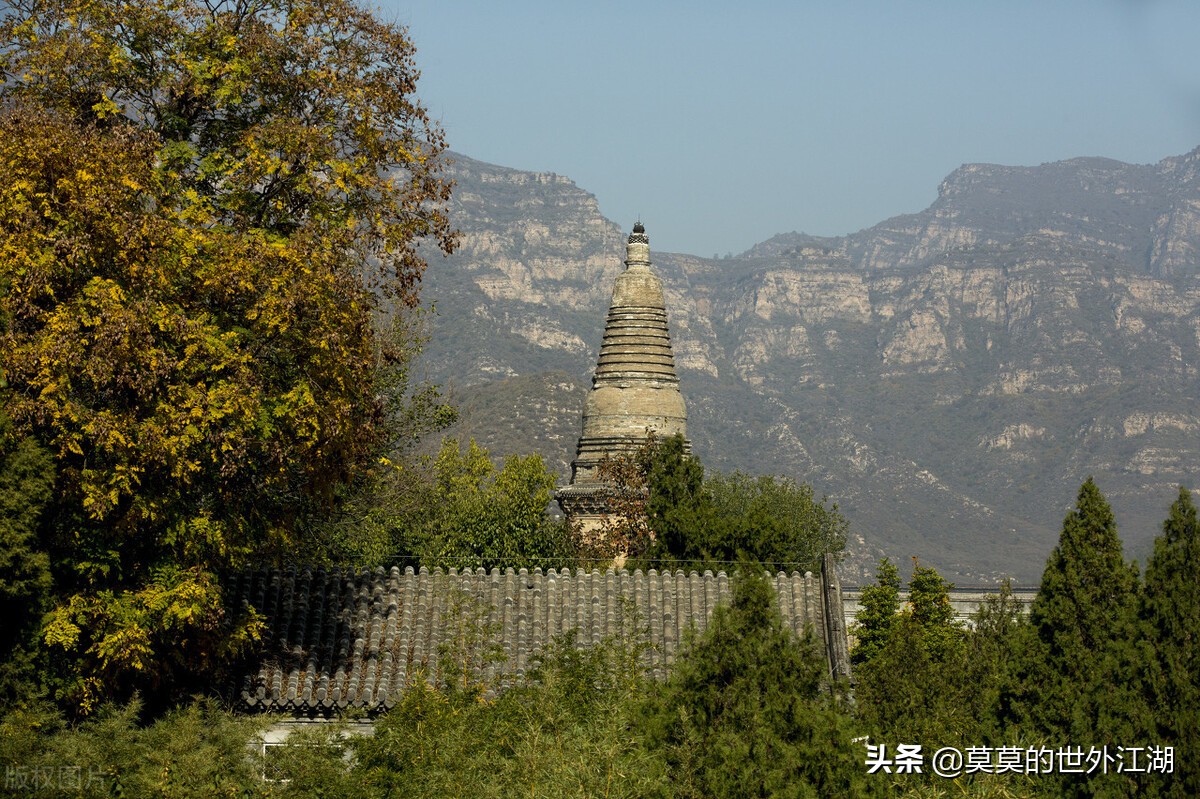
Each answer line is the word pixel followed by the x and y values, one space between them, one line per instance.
pixel 635 391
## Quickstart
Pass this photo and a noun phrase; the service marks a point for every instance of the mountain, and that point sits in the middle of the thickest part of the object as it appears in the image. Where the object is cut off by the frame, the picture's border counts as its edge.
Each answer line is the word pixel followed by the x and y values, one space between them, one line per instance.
pixel 949 377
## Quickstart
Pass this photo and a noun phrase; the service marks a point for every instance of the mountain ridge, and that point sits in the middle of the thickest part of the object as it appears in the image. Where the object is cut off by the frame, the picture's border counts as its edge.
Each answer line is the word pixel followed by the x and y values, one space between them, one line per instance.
pixel 949 377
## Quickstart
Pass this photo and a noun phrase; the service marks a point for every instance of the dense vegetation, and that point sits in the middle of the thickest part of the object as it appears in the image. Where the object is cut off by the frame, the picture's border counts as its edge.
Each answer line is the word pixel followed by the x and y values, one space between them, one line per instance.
pixel 747 709
pixel 668 512
pixel 211 217
pixel 1100 661
pixel 456 509
pixel 586 723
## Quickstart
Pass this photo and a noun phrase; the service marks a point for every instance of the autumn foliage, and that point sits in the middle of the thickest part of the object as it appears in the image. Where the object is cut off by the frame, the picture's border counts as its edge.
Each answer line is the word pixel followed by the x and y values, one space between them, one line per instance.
pixel 204 207
pixel 272 115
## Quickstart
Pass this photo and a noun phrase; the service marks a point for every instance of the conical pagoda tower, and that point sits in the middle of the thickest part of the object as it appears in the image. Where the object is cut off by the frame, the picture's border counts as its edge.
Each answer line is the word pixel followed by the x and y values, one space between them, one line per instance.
pixel 635 391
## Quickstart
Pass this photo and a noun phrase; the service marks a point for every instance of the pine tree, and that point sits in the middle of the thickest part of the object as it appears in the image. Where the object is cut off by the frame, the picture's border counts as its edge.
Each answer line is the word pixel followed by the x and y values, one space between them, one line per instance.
pixel 1171 610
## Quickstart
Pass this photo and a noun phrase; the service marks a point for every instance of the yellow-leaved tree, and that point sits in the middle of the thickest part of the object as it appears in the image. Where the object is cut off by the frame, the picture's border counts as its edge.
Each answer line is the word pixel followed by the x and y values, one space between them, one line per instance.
pixel 205 205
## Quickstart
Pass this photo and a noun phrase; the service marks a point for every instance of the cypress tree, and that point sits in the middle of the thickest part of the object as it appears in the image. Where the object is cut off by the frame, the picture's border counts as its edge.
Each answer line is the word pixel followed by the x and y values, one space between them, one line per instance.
pixel 26 482
pixel 1171 610
pixel 1083 679
pixel 877 613
pixel 999 634
pixel 678 510
pixel 930 609
pixel 912 685
pixel 1086 584
pixel 744 712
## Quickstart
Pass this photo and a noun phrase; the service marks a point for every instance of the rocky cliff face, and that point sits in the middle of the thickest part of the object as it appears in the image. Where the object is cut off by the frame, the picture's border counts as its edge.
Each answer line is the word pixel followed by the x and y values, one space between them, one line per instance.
pixel 949 377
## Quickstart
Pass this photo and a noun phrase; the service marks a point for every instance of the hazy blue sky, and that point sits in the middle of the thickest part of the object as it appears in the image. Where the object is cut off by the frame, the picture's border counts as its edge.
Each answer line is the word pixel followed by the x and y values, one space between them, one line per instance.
pixel 724 126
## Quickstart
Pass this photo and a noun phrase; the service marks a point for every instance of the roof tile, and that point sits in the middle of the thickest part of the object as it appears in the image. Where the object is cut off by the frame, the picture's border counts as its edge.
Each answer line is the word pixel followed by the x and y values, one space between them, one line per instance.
pixel 342 638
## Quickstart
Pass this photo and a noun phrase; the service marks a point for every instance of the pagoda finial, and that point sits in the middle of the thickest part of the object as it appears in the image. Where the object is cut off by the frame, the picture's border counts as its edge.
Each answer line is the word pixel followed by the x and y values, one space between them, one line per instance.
pixel 637 249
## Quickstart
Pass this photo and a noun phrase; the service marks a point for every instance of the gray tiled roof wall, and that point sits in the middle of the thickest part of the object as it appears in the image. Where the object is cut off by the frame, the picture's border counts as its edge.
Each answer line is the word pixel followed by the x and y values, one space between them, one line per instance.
pixel 341 638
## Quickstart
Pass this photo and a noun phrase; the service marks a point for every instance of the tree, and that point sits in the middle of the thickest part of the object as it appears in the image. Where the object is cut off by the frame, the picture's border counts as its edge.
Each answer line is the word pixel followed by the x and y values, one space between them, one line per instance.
pixel 929 681
pixel 203 205
pixel 743 712
pixel 930 609
pixel 677 509
pixel 193 752
pixel 715 520
pixel 273 115
pixel 625 528
pixel 656 508
pixel 370 519
pixel 877 613
pixel 478 515
pixel 26 480
pixel 774 520
pixel 1087 587
pixel 1000 635
pixel 910 679
pixel 195 387
pixel 1085 679
pixel 563 731
pixel 1171 610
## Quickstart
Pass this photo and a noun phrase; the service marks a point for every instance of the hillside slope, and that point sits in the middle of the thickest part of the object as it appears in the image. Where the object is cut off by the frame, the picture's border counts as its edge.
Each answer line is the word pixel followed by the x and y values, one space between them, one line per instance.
pixel 948 377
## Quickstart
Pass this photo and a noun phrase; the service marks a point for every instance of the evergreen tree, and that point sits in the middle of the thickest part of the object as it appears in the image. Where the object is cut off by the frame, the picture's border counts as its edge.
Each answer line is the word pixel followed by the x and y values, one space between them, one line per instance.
pixel 676 507
pixel 931 682
pixel 1087 587
pixel 26 480
pixel 877 613
pixel 999 635
pixel 911 685
pixel 743 712
pixel 930 609
pixel 1171 609
pixel 1083 682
